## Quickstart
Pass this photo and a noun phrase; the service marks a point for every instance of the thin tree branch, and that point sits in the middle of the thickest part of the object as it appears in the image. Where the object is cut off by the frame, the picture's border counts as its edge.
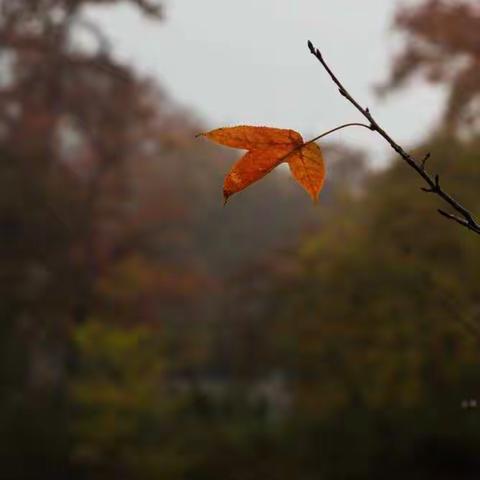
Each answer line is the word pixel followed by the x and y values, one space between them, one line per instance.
pixel 465 218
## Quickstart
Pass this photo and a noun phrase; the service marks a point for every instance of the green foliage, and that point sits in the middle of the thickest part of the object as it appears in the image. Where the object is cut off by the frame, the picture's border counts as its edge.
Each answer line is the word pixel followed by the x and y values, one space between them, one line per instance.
pixel 378 331
pixel 386 300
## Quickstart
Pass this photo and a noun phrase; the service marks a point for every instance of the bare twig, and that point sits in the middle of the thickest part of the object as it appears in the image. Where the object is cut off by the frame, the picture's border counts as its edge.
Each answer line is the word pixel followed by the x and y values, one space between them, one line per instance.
pixel 425 159
pixel 464 217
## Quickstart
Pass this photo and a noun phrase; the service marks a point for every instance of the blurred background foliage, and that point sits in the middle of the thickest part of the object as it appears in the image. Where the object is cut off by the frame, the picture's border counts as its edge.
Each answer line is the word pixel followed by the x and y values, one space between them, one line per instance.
pixel 149 333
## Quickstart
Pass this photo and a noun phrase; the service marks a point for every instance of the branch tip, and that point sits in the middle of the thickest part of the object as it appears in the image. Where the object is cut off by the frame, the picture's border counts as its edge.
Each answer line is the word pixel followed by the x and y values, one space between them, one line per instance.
pixel 425 158
pixel 450 216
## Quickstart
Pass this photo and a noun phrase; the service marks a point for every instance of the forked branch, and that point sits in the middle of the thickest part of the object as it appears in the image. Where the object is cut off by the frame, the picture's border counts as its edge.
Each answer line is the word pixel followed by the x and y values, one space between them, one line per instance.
pixel 462 216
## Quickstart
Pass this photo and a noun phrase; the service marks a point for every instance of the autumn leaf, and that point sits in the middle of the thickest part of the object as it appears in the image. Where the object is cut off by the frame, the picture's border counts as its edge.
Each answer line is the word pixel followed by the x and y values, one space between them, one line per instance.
pixel 308 168
pixel 267 148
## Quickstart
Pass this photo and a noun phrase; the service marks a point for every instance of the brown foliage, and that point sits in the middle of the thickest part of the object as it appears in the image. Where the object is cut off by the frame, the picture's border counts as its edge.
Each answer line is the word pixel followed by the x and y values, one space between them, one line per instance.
pixel 443 46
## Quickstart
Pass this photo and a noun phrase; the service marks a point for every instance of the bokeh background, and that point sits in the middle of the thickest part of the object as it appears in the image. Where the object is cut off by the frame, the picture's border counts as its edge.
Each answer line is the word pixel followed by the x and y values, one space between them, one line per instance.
pixel 147 332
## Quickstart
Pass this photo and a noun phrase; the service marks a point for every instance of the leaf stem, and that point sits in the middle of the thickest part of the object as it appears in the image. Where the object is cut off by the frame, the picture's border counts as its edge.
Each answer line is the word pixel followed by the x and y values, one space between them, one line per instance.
pixel 336 129
pixel 324 134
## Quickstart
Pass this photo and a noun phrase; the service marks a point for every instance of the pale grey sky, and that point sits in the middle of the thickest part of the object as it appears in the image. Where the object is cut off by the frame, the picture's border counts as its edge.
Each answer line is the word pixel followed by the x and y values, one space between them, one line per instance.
pixel 246 62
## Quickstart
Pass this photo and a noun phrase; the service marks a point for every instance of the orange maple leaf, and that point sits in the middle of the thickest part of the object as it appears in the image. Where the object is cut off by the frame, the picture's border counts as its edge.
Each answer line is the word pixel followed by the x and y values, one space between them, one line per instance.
pixel 267 148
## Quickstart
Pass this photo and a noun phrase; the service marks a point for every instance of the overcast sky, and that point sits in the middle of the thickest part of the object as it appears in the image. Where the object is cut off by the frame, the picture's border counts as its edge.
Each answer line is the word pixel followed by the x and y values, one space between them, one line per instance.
pixel 246 62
